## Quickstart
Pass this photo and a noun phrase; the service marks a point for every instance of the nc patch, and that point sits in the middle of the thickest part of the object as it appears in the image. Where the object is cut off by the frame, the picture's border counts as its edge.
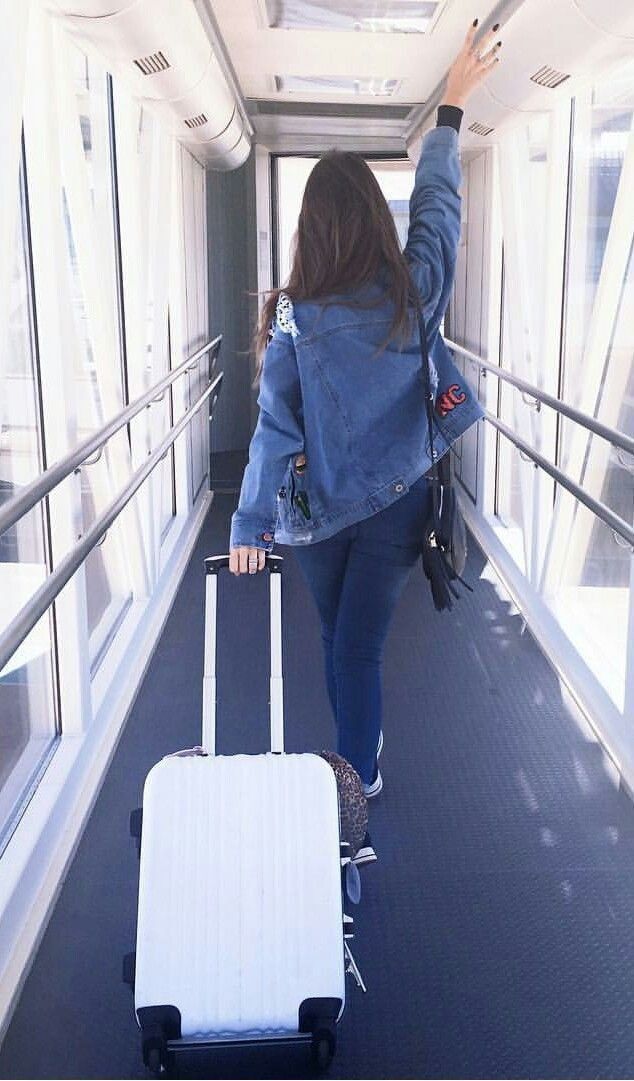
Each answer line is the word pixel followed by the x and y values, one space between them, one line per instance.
pixel 449 399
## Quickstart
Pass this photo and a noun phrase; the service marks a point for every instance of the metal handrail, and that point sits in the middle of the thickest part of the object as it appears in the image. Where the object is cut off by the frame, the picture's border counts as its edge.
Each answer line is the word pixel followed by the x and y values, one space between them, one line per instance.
pixel 15 633
pixel 612 435
pixel 617 524
pixel 20 504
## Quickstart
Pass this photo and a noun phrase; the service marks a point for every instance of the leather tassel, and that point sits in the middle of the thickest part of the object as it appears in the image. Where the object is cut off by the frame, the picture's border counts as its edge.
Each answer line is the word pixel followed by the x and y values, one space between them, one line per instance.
pixel 442 587
pixel 439 586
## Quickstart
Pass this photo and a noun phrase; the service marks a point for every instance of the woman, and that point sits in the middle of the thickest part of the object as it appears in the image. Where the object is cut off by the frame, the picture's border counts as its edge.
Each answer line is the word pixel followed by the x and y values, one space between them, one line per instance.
pixel 339 458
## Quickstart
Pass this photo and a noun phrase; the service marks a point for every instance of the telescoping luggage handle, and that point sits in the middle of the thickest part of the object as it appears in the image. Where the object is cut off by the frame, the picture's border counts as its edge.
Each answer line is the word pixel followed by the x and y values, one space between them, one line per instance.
pixel 214 564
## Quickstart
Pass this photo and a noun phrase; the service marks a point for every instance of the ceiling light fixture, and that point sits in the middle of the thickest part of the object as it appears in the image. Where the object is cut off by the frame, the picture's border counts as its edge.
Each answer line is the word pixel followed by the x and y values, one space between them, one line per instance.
pixel 377 16
pixel 314 84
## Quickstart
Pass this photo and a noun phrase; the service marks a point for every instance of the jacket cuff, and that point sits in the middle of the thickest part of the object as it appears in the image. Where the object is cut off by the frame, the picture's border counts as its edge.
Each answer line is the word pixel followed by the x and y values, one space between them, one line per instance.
pixel 449 116
pixel 251 534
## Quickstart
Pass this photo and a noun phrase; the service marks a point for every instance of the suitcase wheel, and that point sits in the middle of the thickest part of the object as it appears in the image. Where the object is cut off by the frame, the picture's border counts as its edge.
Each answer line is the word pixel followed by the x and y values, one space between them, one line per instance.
pixel 155 1062
pixel 158 1025
pixel 161 1064
pixel 323 1046
pixel 319 1017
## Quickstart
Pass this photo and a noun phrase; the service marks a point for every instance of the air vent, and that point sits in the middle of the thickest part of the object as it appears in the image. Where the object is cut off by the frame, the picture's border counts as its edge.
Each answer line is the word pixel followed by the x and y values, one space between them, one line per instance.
pixel 480 129
pixel 549 77
pixel 338 109
pixel 196 121
pixel 150 65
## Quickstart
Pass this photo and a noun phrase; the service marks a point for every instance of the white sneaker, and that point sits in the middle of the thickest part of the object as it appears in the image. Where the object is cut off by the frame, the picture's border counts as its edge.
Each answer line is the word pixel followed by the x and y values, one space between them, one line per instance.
pixel 375 787
pixel 366 853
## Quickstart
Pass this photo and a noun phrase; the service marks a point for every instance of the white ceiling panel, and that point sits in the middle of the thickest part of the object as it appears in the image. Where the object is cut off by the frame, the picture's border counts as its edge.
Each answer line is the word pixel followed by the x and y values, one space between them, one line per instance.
pixel 417 61
pixel 321 55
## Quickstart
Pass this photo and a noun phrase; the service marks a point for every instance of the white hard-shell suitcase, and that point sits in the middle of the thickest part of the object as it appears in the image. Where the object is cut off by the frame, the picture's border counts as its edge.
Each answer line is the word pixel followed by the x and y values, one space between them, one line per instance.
pixel 240 933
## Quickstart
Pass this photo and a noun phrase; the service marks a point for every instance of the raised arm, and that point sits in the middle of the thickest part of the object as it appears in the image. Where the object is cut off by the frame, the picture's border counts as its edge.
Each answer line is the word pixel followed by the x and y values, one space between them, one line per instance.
pixel 434 230
pixel 434 222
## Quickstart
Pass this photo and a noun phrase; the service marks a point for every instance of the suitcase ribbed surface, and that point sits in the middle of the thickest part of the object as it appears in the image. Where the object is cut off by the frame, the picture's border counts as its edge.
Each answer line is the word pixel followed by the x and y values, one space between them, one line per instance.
pixel 240 914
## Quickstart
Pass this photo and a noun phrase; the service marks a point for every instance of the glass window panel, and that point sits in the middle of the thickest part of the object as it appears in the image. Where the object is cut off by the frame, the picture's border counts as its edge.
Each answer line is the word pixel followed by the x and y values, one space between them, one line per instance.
pixel 598 384
pixel 510 507
pixel 92 109
pixel 591 601
pixel 202 325
pixel 191 304
pixel 535 192
pixel 192 224
pixel 526 334
pixel 89 229
pixel 168 493
pixel 144 160
pixel 166 468
pixel 591 595
pixel 28 723
pixel 135 132
pixel 162 421
pixel 165 471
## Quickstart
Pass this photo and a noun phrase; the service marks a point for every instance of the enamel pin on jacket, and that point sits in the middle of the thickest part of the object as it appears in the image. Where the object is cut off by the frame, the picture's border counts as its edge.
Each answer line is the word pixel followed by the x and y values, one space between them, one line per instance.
pixel 341 433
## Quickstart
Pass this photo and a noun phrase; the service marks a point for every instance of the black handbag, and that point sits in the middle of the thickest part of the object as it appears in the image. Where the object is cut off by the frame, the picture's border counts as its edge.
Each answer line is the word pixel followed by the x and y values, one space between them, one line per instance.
pixel 444 541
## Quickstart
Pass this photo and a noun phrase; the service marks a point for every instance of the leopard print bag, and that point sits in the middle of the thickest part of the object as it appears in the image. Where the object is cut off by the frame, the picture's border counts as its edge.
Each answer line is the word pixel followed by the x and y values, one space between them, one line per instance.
pixel 353 805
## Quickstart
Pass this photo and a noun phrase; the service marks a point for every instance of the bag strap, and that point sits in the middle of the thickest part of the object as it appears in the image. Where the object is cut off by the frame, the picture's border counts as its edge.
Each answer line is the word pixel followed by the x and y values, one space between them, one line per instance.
pixel 437 483
pixel 429 409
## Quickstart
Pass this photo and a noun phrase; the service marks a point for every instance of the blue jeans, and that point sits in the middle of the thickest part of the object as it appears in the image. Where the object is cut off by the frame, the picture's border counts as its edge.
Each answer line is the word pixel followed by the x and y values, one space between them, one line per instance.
pixel 356 578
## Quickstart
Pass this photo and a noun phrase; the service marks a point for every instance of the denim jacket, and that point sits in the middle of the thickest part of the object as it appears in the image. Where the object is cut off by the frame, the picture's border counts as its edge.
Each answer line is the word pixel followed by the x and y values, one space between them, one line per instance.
pixel 343 433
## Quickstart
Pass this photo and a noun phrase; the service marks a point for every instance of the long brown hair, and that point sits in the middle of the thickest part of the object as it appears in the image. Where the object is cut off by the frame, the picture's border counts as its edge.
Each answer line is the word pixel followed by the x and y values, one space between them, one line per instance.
pixel 345 237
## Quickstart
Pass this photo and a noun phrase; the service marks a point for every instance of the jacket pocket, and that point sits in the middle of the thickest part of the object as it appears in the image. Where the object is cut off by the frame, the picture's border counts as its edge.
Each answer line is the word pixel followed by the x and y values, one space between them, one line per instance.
pixel 300 496
pixel 293 496
pixel 290 513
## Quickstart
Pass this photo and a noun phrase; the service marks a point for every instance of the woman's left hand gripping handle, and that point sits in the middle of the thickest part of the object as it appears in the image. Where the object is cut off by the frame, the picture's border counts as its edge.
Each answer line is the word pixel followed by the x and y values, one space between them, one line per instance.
pixel 245 560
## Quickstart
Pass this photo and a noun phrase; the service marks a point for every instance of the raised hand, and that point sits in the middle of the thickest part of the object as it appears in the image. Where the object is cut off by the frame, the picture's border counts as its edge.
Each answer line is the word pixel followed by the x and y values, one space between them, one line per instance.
pixel 471 66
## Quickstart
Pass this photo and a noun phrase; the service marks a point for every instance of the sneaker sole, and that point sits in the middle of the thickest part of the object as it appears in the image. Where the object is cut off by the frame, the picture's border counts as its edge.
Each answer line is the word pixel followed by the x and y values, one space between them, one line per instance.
pixel 372 790
pixel 364 855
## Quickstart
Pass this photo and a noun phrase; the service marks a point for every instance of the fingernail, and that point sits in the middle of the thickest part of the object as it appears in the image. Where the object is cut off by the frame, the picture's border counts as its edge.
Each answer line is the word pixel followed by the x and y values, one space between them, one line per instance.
pixel 475 22
pixel 496 26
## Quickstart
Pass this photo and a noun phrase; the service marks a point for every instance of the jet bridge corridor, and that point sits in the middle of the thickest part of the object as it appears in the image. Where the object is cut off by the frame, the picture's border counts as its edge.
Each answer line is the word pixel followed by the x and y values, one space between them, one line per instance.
pixel 155 159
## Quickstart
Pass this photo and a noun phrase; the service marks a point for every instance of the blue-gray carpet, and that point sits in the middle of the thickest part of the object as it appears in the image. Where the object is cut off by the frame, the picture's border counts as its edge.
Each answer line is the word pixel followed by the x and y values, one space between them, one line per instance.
pixel 496 932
